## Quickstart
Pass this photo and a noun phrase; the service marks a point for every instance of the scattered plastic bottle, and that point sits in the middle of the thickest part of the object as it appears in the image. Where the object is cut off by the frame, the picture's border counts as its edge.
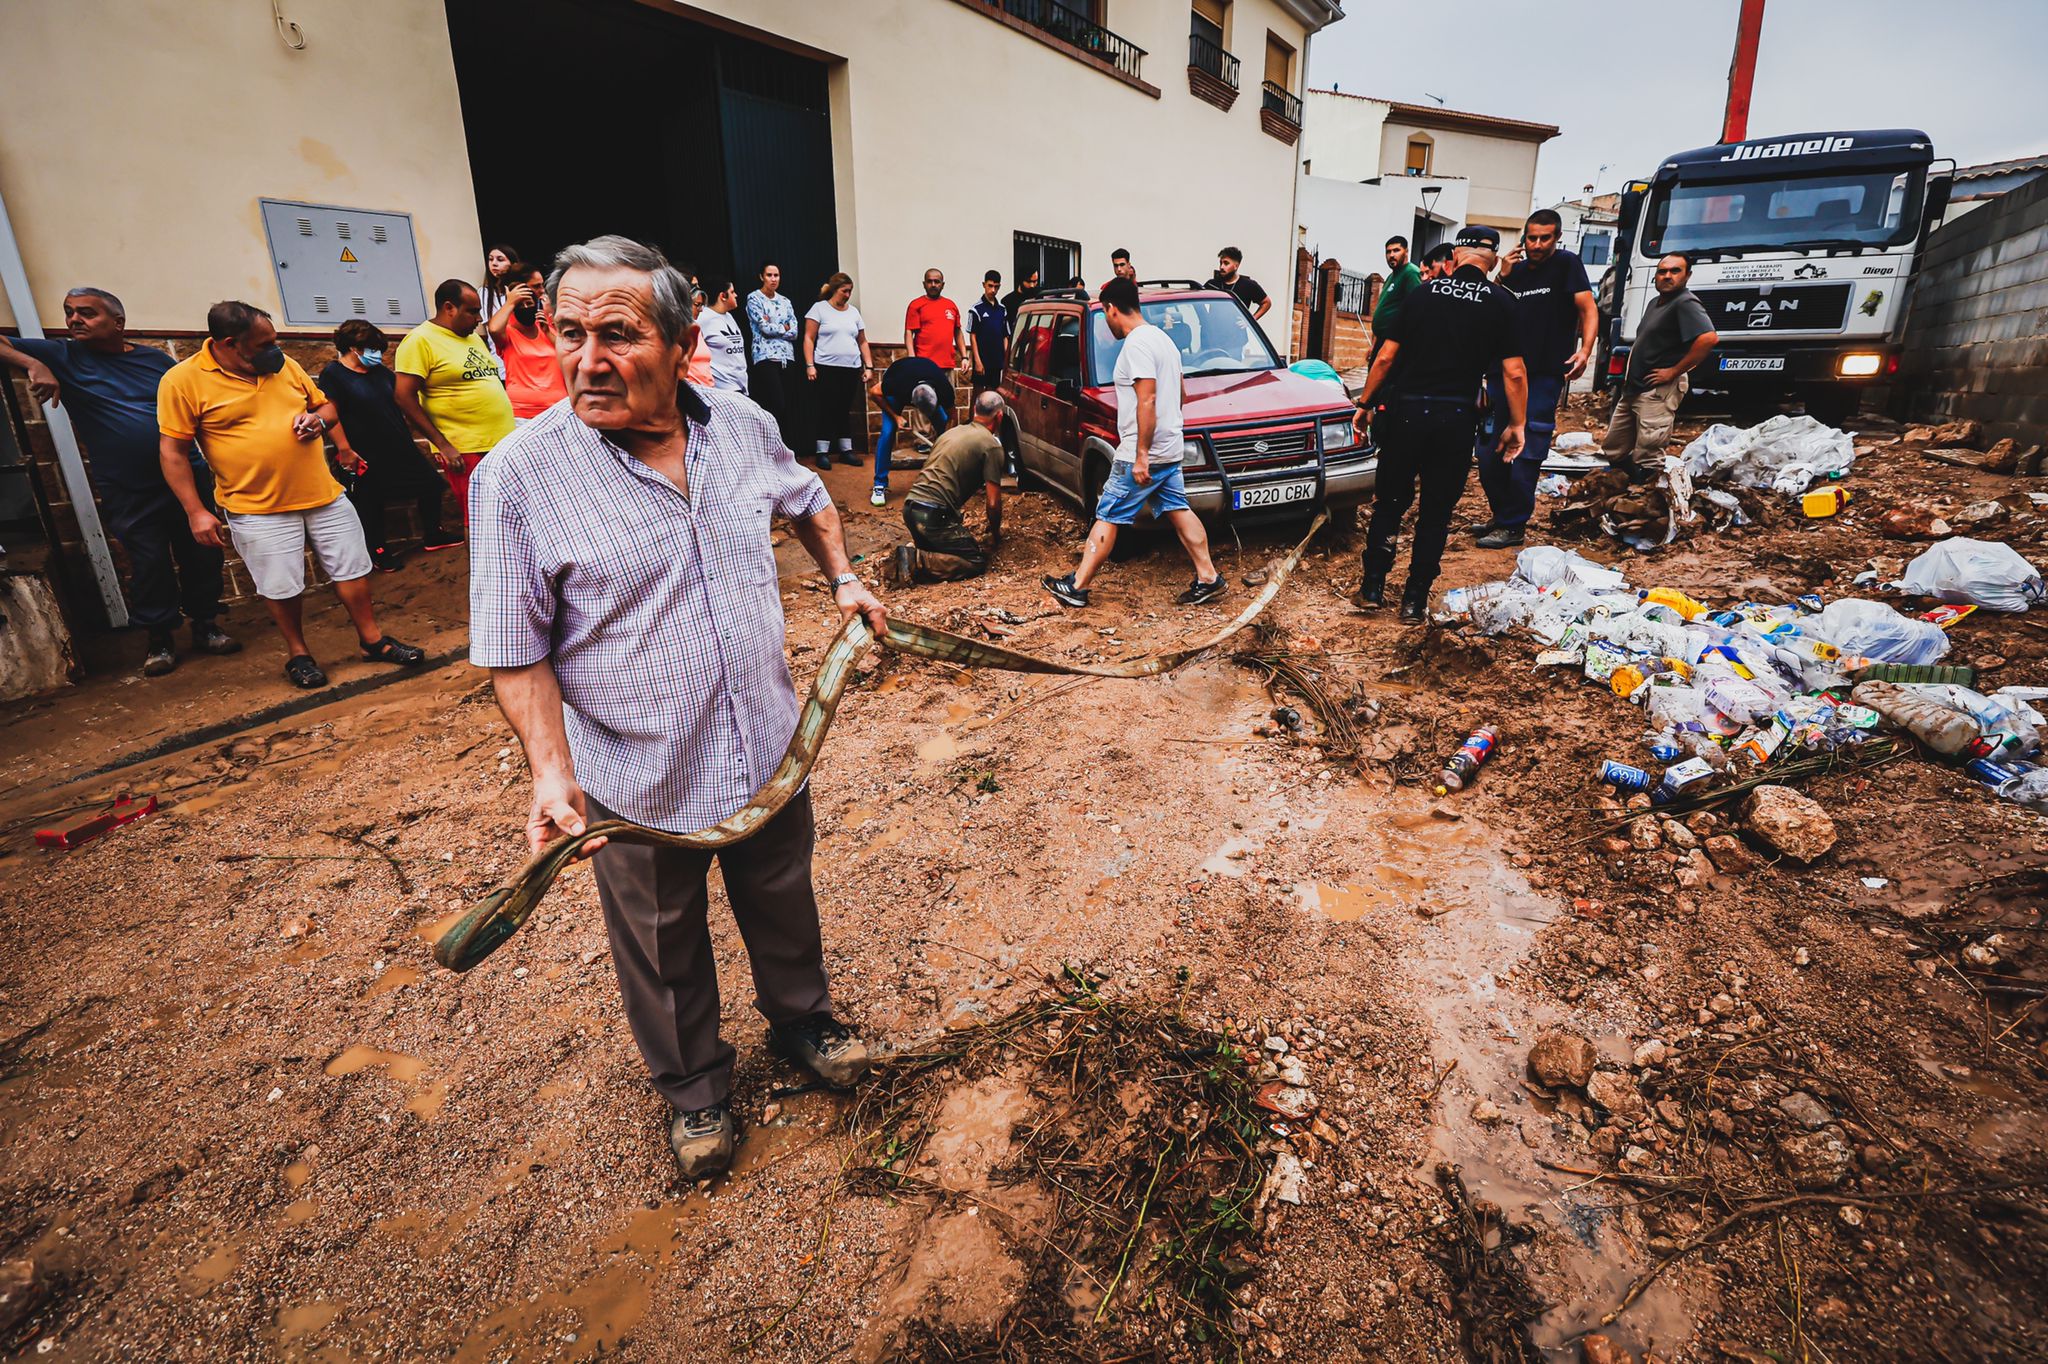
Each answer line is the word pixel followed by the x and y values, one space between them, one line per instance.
pixel 1624 778
pixel 1664 746
pixel 1942 728
pixel 1465 763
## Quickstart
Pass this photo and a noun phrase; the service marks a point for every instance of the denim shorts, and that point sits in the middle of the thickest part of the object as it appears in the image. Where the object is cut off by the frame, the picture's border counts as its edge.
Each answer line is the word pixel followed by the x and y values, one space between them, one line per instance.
pixel 1123 497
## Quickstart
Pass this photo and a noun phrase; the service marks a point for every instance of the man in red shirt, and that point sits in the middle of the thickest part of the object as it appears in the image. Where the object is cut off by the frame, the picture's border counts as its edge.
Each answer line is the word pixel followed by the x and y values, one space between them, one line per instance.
pixel 931 328
pixel 526 344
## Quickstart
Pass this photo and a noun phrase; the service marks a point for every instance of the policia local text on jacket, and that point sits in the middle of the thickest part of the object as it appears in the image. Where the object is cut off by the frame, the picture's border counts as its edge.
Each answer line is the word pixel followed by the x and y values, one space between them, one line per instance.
pixel 1422 398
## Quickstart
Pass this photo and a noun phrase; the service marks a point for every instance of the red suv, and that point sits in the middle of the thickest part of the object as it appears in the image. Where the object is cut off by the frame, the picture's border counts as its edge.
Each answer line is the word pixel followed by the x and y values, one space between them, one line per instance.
pixel 1261 439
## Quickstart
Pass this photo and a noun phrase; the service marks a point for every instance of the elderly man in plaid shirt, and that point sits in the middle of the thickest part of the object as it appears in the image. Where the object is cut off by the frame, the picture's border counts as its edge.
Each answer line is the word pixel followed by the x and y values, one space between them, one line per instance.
pixel 623 593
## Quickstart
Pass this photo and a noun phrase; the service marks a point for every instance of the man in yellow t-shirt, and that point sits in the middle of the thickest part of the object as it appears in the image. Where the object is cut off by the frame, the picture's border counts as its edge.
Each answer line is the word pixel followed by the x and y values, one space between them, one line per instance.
pixel 450 387
pixel 258 419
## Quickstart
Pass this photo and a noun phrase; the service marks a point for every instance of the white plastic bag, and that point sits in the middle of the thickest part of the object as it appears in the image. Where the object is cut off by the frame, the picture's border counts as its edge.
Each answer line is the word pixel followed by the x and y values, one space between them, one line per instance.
pixel 1574 440
pixel 1548 566
pixel 1870 629
pixel 1987 573
pixel 1785 454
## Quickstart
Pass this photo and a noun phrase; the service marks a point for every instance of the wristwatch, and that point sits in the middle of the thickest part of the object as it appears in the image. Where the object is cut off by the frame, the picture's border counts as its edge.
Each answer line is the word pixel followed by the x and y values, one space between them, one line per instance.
pixel 843 579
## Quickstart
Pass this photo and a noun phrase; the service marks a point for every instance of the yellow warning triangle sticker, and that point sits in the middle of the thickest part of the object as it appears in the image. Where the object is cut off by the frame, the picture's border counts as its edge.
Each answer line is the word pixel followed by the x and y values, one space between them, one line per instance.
pixel 348 257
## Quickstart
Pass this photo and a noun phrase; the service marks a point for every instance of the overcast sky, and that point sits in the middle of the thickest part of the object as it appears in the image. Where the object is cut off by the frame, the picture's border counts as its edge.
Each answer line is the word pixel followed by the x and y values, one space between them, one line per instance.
pixel 1968 72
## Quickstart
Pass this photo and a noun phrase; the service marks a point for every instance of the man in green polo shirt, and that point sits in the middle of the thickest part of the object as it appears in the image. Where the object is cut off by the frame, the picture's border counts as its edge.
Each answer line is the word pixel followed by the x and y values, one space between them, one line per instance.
pixel 965 460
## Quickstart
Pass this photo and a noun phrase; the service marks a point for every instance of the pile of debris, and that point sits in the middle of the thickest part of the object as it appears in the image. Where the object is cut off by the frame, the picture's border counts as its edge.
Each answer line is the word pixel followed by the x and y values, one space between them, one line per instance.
pixel 1727 477
pixel 1756 694
pixel 1962 443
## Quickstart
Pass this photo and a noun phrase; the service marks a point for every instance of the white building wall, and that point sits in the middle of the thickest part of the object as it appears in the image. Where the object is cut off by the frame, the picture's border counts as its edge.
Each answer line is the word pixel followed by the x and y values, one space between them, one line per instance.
pixel 1351 222
pixel 1502 170
pixel 1071 153
pixel 1342 138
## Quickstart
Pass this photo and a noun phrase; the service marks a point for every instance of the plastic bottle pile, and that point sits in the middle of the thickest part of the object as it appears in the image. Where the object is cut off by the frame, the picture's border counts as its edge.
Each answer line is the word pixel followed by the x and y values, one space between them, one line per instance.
pixel 1731 691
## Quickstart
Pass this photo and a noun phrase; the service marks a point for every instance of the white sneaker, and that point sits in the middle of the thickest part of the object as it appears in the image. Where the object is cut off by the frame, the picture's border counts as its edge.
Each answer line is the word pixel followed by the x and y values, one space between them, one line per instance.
pixel 878 498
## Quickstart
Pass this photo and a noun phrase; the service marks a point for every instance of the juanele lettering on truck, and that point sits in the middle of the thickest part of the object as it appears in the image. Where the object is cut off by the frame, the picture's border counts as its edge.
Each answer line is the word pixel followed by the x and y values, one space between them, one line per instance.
pixel 1768 223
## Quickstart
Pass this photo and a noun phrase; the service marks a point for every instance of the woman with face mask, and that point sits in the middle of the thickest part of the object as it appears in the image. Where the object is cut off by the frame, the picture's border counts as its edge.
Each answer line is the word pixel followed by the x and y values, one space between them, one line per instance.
pixel 363 389
pixel 524 339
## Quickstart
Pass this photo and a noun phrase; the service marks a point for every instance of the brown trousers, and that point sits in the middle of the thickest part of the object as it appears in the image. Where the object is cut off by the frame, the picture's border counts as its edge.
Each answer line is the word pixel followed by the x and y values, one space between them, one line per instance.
pixel 1640 426
pixel 654 912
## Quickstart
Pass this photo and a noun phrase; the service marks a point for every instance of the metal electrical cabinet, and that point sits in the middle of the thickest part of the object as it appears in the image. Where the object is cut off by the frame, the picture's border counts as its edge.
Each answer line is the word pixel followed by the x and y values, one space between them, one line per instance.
pixel 336 263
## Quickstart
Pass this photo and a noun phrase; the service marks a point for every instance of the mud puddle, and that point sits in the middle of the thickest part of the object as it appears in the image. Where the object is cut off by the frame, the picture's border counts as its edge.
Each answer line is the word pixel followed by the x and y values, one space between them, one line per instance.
pixel 1477 922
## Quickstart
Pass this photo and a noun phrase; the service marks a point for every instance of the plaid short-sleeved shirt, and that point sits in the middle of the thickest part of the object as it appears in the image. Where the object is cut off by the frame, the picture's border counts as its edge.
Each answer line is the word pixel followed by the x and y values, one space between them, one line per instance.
pixel 660 613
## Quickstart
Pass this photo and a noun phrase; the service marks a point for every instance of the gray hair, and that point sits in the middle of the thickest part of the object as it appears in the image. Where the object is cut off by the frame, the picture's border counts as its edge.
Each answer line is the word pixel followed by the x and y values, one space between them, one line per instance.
pixel 989 403
pixel 113 304
pixel 669 286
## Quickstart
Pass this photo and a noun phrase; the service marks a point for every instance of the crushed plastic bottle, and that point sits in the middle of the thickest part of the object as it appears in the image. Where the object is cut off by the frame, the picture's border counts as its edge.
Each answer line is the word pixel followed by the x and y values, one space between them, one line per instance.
pixel 2020 783
pixel 1942 728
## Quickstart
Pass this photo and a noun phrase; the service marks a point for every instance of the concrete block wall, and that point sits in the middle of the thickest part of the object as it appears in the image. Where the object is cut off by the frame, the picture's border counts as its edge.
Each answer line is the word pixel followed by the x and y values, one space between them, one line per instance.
pixel 1977 335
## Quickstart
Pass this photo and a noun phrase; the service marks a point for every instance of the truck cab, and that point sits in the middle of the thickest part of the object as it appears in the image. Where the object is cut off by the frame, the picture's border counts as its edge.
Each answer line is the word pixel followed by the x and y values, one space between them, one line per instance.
pixel 1804 251
pixel 1261 440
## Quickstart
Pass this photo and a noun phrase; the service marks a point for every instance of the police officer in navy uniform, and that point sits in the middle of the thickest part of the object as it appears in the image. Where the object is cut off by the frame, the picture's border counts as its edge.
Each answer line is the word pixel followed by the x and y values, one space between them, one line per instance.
pixel 1422 400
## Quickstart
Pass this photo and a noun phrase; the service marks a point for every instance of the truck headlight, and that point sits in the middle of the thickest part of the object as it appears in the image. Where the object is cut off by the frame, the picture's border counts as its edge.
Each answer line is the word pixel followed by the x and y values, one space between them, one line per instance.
pixel 1337 434
pixel 1860 365
pixel 1192 455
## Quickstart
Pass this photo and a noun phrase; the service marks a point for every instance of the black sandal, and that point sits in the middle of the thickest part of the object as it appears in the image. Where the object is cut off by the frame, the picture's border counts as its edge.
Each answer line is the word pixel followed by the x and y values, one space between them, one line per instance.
pixel 389 650
pixel 304 673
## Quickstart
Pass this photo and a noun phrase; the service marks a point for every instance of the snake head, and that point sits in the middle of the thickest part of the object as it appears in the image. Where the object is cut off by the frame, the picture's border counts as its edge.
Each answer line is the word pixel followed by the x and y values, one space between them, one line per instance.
pixel 479 932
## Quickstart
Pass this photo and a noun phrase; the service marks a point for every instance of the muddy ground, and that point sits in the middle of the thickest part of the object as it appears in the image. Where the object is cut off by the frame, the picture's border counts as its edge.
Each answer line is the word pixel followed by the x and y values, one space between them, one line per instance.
pixel 245 1116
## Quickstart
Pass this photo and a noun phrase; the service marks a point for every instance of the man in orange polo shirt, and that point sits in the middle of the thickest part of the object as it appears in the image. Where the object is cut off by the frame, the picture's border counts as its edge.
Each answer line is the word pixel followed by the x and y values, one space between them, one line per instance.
pixel 931 328
pixel 525 340
pixel 258 419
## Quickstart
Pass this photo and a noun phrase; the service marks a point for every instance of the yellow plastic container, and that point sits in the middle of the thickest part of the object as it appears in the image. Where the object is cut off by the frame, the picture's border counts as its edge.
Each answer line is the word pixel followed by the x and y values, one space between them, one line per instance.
pixel 1626 679
pixel 1825 501
pixel 1677 601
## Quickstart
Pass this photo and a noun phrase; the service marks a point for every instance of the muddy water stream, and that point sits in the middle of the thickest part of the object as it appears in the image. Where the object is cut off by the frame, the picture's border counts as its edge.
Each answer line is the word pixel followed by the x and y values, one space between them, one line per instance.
pixel 1478 921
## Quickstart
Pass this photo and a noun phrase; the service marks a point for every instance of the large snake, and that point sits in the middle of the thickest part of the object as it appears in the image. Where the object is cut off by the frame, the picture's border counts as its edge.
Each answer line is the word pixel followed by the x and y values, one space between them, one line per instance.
pixel 497 916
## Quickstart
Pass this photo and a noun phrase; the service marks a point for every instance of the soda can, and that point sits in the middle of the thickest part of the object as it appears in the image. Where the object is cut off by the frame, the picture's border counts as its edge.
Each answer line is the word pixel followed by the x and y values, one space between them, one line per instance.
pixel 1622 777
pixel 1992 774
pixel 1464 764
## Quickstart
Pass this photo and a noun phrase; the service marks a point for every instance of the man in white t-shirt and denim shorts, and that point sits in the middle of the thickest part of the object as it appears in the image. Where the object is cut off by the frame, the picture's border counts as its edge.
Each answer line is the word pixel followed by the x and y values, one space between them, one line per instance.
pixel 1146 471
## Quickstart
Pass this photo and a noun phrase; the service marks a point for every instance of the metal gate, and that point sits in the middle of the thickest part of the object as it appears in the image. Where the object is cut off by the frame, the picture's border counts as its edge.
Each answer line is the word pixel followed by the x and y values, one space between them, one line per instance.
pixel 776 133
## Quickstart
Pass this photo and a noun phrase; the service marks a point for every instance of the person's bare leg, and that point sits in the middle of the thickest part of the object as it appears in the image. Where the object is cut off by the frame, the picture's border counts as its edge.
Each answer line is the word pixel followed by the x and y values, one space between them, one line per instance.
pixel 1194 538
pixel 1101 540
pixel 355 598
pixel 289 617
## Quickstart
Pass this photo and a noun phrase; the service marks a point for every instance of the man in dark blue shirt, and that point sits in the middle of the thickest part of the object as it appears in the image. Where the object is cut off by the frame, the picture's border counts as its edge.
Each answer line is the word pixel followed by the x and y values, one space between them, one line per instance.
pixel 1422 398
pixel 108 385
pixel 988 323
pixel 1557 321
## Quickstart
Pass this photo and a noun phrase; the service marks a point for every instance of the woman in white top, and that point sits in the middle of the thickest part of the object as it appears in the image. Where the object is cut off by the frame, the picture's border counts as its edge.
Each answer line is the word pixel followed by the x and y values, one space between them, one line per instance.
pixel 498 262
pixel 837 361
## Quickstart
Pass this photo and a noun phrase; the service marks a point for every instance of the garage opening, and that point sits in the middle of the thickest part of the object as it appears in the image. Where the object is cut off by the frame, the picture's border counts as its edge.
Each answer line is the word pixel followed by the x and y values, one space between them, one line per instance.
pixel 592 116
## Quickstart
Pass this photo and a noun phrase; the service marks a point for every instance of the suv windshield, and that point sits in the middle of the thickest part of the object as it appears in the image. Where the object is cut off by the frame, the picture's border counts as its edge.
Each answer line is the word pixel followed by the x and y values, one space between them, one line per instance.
pixel 1215 336
pixel 1849 208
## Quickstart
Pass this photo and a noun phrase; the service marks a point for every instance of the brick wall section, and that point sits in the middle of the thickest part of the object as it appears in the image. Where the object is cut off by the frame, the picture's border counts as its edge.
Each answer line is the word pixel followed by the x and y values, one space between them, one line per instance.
pixel 1977 336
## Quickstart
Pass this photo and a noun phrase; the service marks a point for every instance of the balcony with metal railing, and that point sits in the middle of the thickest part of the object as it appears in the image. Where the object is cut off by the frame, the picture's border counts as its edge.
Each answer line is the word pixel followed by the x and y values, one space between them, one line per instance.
pixel 1279 112
pixel 1075 28
pixel 1212 72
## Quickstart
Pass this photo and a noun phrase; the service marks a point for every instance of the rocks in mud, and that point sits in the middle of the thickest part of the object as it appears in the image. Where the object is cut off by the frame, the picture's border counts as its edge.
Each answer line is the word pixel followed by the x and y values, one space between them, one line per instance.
pixel 1693 870
pixel 1487 1113
pixel 1815 1160
pixel 1598 1349
pixel 1562 1060
pixel 1731 855
pixel 1789 823
pixel 1644 836
pixel 1805 1110
pixel 1651 1053
pixel 1284 1181
pixel 294 926
pixel 1979 516
pixel 1616 1093
pixel 1677 835
pixel 1912 523
pixel 1966 431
